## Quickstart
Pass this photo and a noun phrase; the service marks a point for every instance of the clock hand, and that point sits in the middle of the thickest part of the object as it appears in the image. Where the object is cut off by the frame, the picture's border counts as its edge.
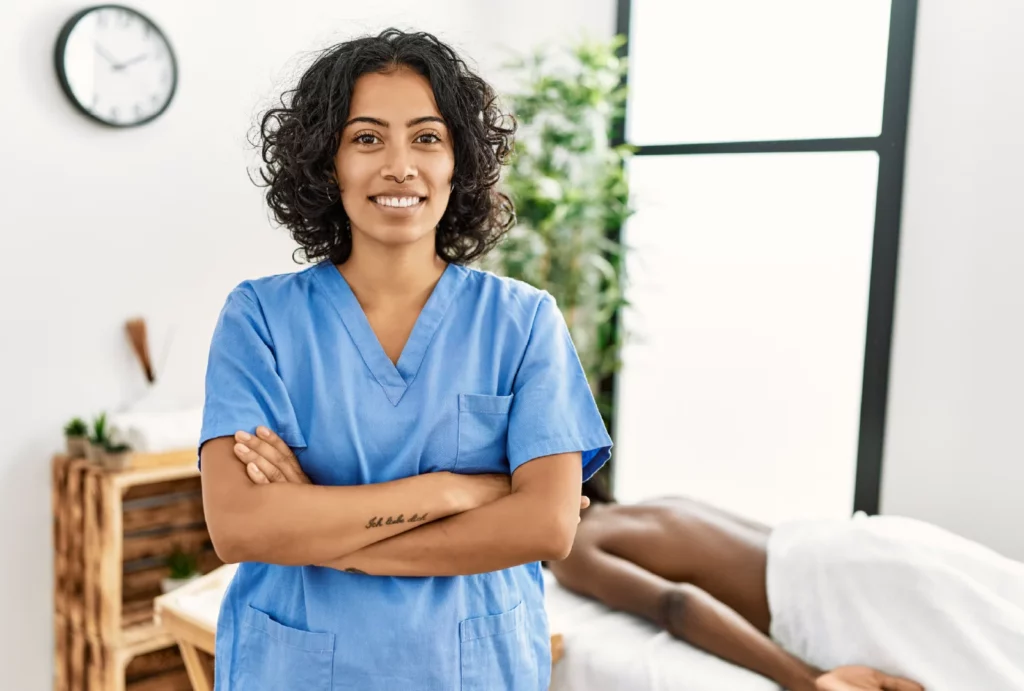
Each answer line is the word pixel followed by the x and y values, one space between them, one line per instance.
pixel 106 55
pixel 138 58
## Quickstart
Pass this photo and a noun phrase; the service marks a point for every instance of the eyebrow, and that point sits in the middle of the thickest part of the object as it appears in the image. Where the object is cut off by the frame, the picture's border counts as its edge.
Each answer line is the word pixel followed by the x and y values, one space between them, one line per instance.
pixel 384 123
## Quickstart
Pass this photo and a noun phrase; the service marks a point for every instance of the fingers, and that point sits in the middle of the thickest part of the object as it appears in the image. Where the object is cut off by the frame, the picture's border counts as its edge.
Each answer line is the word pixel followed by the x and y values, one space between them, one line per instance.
pixel 255 474
pixel 584 502
pixel 900 684
pixel 269 470
pixel 271 455
pixel 275 441
pixel 292 470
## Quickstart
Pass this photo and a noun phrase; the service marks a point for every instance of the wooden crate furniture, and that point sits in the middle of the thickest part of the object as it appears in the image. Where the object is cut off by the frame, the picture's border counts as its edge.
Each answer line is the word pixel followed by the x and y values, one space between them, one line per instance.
pixel 113 534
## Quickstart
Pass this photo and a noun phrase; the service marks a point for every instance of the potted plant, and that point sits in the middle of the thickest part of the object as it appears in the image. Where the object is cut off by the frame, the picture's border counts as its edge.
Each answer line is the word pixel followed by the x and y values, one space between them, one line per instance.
pixel 183 569
pixel 115 455
pixel 105 448
pixel 568 182
pixel 98 438
pixel 76 437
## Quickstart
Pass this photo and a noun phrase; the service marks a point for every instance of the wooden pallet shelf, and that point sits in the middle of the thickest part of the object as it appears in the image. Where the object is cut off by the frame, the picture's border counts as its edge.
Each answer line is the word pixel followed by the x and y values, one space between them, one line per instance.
pixel 113 534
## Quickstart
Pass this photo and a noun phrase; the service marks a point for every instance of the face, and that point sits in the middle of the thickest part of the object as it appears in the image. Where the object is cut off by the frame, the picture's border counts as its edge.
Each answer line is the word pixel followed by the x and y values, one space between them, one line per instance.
pixel 395 162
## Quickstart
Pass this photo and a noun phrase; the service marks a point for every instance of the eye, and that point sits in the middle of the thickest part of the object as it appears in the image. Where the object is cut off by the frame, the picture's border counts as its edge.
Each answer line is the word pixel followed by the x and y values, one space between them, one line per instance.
pixel 430 138
pixel 366 138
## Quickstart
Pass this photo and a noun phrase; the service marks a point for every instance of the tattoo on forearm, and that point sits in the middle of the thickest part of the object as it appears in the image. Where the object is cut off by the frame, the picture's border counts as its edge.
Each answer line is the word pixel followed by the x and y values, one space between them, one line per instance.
pixel 353 569
pixel 378 521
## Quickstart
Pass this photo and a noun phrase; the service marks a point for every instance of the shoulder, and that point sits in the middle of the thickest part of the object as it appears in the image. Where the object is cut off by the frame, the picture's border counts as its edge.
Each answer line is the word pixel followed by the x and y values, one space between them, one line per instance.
pixel 275 291
pixel 516 299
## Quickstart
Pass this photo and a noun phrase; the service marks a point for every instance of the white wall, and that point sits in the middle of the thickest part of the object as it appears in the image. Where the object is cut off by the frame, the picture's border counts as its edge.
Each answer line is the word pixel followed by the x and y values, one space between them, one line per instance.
pixel 101 225
pixel 953 452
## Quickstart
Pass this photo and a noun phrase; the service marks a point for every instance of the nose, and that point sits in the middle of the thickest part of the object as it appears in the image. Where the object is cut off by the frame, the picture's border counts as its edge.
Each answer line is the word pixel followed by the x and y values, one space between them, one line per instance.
pixel 398 164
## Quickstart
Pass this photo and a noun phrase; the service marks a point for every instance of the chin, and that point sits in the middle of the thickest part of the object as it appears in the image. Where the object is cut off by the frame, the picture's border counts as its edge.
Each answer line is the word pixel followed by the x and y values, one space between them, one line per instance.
pixel 396 235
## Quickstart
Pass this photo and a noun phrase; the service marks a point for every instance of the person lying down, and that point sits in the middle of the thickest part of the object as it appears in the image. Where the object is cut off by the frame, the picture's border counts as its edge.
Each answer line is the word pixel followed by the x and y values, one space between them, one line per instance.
pixel 868 603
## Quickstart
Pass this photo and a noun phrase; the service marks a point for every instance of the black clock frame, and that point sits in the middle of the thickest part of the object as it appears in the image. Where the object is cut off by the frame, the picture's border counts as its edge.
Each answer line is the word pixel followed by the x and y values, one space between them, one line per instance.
pixel 58 58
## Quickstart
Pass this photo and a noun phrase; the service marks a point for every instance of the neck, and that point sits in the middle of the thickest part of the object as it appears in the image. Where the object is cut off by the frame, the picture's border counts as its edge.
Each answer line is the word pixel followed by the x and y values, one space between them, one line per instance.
pixel 387 273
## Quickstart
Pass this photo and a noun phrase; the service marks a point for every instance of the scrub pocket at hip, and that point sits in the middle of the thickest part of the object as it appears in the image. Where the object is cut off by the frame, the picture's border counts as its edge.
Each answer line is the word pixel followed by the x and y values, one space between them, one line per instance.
pixel 496 653
pixel 273 656
pixel 483 434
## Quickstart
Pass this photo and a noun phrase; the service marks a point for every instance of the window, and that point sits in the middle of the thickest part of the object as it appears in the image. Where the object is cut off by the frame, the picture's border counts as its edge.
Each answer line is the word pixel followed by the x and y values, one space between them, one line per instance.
pixel 767 183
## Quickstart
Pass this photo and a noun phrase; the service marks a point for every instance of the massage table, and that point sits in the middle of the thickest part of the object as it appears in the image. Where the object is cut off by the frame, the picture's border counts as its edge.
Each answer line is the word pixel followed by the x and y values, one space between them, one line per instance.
pixel 593 648
pixel 605 650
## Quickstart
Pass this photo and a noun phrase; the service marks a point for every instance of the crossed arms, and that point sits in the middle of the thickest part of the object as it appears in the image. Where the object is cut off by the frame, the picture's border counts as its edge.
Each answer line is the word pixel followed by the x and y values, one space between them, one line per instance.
pixel 260 506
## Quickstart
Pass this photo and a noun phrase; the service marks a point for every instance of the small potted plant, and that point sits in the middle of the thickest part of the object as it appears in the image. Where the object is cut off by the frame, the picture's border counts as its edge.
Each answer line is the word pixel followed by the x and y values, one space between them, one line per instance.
pixel 98 438
pixel 183 569
pixel 116 455
pixel 76 436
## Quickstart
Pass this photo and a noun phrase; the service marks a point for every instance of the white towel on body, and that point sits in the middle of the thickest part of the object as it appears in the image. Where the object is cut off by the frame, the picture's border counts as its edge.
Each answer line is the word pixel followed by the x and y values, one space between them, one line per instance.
pixel 899 595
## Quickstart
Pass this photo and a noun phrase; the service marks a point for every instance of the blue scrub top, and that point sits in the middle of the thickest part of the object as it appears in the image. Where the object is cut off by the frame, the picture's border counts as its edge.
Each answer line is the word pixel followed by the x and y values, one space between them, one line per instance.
pixel 488 380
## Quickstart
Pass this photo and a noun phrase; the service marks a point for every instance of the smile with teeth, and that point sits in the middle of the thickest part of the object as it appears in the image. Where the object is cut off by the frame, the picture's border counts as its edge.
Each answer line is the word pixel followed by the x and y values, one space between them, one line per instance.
pixel 397 202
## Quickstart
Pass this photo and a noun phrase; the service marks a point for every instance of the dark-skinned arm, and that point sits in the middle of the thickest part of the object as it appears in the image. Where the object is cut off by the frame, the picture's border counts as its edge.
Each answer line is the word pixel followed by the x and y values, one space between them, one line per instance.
pixel 685 611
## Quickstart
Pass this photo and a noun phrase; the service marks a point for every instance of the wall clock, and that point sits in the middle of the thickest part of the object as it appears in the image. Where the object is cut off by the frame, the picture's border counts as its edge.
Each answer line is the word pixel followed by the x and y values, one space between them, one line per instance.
pixel 116 66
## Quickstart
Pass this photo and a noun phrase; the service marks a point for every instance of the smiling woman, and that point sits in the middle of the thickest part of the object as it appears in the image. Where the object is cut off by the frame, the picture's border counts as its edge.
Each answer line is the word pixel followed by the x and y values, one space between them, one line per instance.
pixel 455 136
pixel 391 440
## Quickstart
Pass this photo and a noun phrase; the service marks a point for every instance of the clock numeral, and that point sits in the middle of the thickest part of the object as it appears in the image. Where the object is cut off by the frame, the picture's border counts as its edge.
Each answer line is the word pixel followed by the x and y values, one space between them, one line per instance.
pixel 113 114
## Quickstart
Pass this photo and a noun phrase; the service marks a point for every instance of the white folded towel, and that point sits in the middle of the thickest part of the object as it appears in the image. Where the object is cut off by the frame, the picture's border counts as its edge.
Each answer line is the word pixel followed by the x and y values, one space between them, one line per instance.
pixel 158 432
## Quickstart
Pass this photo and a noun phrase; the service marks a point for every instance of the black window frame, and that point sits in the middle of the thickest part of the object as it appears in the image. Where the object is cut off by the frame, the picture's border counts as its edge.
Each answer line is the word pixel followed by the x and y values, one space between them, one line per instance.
pixel 890 145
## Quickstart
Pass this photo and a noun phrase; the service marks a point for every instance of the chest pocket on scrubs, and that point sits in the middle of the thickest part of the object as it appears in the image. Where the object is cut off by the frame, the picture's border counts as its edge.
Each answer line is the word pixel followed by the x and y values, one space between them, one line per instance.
pixel 496 653
pixel 273 656
pixel 483 433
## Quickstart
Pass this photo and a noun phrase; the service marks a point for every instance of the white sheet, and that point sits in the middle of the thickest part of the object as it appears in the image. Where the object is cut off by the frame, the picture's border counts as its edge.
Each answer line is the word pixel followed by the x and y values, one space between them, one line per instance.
pixel 901 596
pixel 612 651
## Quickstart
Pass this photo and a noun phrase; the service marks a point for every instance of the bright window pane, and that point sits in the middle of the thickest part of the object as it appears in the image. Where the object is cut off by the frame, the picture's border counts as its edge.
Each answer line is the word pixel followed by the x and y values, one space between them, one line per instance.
pixel 746 70
pixel 741 383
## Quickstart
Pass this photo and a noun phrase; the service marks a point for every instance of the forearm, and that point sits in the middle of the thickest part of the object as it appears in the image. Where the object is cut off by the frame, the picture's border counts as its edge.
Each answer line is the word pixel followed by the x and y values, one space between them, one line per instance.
pixel 514 530
pixel 692 615
pixel 292 524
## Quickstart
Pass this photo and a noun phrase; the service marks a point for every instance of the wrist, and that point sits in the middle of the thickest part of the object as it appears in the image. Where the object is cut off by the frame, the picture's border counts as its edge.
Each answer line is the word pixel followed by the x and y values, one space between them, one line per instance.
pixel 455 492
pixel 802 679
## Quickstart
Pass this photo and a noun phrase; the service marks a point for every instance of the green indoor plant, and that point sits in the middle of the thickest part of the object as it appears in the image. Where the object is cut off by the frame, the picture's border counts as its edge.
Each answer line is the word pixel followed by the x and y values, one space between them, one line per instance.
pixel 98 438
pixel 568 183
pixel 104 446
pixel 183 567
pixel 76 437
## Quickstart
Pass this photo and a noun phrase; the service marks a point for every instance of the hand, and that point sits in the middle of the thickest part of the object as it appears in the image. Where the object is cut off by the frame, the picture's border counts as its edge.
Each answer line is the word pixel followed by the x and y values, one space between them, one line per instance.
pixel 856 678
pixel 479 490
pixel 483 489
pixel 268 458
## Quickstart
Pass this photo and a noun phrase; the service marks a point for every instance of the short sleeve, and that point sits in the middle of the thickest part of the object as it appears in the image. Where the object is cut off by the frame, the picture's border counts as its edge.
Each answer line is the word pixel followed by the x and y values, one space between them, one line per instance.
pixel 553 409
pixel 243 387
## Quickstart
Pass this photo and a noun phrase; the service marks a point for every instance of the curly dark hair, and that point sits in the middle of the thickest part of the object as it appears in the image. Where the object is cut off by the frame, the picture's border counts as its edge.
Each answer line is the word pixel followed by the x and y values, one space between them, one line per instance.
pixel 300 138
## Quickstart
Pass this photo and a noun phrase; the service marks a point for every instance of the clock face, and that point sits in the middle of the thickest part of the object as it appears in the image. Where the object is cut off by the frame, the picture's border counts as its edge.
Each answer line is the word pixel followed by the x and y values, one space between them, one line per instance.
pixel 116 66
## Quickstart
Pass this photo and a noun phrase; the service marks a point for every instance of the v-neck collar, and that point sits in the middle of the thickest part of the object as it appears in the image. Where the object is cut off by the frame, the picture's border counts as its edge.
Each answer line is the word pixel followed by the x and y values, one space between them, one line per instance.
pixel 393 379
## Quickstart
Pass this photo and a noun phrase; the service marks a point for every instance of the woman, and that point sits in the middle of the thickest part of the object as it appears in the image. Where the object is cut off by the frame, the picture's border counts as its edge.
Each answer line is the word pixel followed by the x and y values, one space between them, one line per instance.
pixel 440 413
pixel 849 596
